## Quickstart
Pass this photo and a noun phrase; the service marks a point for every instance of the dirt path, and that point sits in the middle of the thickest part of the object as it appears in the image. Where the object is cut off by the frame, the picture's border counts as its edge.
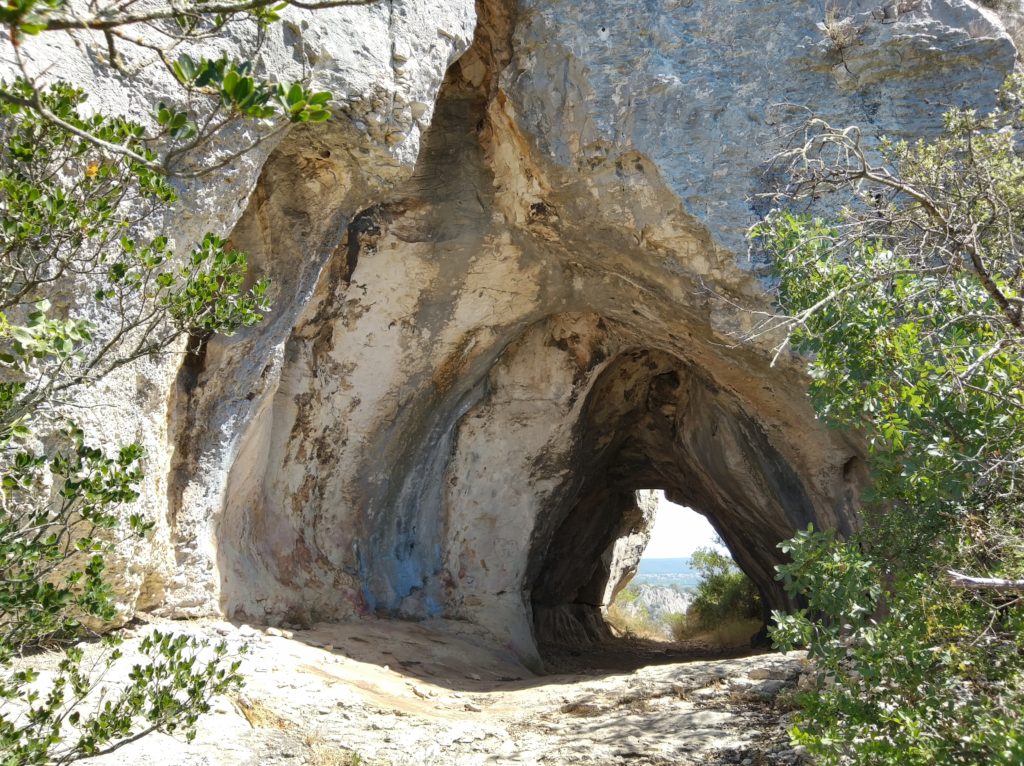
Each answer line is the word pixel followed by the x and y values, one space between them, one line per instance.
pixel 629 654
pixel 402 694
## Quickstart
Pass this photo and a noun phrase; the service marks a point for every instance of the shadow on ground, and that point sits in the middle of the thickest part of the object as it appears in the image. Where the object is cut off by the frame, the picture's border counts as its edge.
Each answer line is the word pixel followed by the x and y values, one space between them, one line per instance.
pixel 460 657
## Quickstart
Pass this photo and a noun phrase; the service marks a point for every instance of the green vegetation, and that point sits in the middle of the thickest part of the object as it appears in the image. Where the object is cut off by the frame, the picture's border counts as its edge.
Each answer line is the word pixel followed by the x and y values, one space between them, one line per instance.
pixel 726 606
pixel 83 292
pixel 725 611
pixel 723 592
pixel 910 308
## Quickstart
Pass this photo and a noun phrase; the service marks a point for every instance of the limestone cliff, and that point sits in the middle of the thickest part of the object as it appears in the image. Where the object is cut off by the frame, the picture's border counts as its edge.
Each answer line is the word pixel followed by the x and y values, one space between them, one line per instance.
pixel 507 300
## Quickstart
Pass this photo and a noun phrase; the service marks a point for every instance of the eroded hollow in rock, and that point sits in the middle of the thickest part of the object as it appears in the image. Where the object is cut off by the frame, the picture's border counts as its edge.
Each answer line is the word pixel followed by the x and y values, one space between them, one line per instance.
pixel 652 420
pixel 453 423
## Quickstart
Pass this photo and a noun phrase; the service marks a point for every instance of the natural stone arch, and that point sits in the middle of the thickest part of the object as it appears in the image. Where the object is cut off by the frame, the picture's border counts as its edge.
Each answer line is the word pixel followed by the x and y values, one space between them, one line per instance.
pixel 652 420
pixel 482 361
pixel 576 417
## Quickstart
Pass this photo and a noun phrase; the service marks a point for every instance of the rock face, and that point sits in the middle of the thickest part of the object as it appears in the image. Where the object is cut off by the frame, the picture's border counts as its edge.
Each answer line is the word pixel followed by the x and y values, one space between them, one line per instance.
pixel 387 693
pixel 658 603
pixel 474 361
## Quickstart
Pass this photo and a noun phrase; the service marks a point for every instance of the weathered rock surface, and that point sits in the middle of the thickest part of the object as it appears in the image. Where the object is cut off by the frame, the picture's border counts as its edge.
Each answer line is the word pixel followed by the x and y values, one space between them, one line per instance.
pixel 659 602
pixel 401 694
pixel 476 360
pixel 622 559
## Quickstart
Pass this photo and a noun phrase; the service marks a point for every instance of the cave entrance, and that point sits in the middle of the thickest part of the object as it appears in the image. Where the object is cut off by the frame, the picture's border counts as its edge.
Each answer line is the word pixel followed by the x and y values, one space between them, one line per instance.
pixel 652 599
pixel 678 531
pixel 653 420
pixel 633 608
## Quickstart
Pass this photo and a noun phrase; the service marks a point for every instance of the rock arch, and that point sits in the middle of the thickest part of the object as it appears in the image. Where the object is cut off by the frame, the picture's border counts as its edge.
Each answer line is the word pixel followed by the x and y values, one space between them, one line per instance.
pixel 474 367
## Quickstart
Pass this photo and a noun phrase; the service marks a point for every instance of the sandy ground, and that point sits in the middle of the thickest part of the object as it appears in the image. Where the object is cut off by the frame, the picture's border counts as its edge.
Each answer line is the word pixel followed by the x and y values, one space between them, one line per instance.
pixel 376 692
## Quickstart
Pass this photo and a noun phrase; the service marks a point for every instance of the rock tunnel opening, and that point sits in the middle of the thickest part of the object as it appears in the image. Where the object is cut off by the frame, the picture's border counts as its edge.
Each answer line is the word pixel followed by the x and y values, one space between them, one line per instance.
pixel 456 425
pixel 675 584
pixel 653 420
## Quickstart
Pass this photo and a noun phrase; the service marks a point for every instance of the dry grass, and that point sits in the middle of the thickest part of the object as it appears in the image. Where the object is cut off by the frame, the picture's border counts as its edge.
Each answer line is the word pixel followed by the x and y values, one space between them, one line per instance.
pixel 323 753
pixel 581 709
pixel 259 715
pixel 728 635
pixel 634 626
pixel 841 31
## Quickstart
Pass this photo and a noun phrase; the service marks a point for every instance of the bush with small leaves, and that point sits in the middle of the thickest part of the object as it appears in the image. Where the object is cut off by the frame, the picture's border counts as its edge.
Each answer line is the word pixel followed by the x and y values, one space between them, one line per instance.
pixel 63 501
pixel 725 601
pixel 75 184
pixel 909 310
pixel 82 715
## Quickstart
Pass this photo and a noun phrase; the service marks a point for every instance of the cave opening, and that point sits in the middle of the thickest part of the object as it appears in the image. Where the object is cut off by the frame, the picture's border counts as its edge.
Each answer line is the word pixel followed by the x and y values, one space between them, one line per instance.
pixel 636 579
pixel 655 421
pixel 685 588
pixel 678 531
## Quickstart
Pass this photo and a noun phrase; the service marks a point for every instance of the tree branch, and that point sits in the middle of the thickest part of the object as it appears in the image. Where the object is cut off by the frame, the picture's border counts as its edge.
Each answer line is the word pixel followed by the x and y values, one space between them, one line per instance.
pixel 104 22
pixel 966 582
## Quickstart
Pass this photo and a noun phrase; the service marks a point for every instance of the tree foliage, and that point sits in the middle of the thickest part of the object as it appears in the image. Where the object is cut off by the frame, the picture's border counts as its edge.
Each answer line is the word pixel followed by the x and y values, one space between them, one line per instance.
pixel 86 288
pixel 723 592
pixel 910 308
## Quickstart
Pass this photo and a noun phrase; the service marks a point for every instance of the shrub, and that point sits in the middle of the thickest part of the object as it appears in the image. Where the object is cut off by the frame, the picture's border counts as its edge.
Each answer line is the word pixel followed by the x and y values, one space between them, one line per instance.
pixel 909 309
pixel 726 605
pixel 75 184
pixel 723 592
pixel 62 499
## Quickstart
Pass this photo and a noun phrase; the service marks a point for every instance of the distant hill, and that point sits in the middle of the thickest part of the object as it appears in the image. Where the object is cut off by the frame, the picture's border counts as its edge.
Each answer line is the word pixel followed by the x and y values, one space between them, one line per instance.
pixel 667 572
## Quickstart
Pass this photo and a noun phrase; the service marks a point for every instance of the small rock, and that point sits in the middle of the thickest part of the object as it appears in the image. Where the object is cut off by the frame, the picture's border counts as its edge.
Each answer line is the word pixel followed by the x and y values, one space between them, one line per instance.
pixel 329 647
pixel 246 630
pixel 275 632
pixel 769 689
pixel 759 674
pixel 401 52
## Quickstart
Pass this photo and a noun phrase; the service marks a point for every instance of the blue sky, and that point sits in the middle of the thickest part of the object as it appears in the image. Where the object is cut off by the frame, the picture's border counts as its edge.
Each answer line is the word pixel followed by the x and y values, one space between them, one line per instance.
pixel 678 531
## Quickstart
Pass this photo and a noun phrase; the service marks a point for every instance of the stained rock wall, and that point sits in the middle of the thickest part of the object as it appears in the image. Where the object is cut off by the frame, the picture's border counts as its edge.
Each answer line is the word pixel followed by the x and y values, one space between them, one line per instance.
pixel 475 361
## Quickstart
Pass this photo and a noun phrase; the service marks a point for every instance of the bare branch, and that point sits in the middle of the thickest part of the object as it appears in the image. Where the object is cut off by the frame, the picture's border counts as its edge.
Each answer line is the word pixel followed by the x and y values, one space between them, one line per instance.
pixel 966 582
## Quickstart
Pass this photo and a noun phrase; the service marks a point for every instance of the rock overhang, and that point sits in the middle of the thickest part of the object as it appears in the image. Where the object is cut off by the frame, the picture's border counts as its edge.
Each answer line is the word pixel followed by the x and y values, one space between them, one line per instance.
pixel 549 315
pixel 474 362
